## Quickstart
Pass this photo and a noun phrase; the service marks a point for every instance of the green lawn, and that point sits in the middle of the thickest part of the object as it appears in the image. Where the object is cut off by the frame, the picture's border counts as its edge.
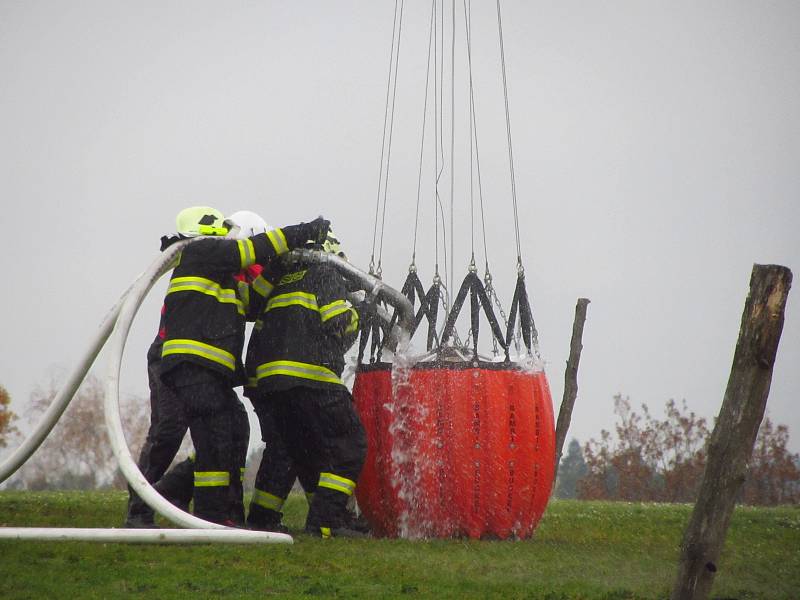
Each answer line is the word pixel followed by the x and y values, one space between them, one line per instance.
pixel 580 550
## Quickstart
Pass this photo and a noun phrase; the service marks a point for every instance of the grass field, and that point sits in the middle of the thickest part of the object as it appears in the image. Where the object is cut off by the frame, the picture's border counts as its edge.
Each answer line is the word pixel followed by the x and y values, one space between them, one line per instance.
pixel 581 550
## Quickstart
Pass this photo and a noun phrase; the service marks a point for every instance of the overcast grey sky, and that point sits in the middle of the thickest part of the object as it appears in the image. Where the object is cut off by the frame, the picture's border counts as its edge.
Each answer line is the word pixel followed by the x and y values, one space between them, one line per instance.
pixel 656 145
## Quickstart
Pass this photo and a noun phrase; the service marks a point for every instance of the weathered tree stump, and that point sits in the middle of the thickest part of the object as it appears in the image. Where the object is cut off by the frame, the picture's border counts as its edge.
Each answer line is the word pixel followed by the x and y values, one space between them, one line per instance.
pixel 570 380
pixel 734 434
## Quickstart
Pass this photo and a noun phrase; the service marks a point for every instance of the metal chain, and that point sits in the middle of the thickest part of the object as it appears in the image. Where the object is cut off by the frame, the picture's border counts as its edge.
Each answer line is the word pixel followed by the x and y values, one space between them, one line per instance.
pixel 487 284
pixel 493 295
pixel 468 341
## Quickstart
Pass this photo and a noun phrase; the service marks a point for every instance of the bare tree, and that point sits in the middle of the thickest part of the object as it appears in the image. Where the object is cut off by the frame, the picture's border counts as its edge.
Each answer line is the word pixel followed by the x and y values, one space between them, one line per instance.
pixel 570 378
pixel 773 474
pixel 7 418
pixel 663 460
pixel 77 453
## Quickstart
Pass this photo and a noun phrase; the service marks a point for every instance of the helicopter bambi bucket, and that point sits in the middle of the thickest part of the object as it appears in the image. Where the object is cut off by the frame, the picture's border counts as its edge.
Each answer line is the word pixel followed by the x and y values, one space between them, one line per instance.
pixel 460 444
pixel 465 450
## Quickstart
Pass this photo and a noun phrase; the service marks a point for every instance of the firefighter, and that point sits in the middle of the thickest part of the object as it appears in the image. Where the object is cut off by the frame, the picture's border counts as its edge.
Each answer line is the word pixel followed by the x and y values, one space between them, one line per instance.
pixel 201 351
pixel 277 471
pixel 177 484
pixel 296 361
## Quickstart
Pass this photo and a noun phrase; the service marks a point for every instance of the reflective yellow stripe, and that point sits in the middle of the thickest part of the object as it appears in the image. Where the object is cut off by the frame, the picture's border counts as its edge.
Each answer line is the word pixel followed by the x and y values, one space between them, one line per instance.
pixel 278 241
pixel 336 307
pixel 335 482
pixel 353 322
pixel 244 293
pixel 211 230
pixel 212 478
pixel 309 301
pixel 267 500
pixel 291 368
pixel 303 299
pixel 247 252
pixel 326 532
pixel 262 287
pixel 205 286
pixel 212 353
pixel 252 382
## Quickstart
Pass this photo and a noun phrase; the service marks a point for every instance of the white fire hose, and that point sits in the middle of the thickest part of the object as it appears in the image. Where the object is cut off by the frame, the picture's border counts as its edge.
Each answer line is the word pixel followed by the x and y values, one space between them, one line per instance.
pixel 120 319
pixel 198 530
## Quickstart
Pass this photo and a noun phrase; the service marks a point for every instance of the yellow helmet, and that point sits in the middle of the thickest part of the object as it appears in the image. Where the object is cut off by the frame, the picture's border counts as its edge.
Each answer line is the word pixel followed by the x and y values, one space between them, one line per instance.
pixel 331 245
pixel 200 220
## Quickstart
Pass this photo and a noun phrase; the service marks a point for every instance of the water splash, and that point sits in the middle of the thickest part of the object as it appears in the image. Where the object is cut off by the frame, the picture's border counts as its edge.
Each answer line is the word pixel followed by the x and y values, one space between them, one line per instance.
pixel 529 363
pixel 350 370
pixel 406 416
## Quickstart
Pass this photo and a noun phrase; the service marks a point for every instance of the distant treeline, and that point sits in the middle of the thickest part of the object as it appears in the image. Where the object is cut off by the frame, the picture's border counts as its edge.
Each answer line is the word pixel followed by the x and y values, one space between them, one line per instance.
pixel 652 460
pixel 648 460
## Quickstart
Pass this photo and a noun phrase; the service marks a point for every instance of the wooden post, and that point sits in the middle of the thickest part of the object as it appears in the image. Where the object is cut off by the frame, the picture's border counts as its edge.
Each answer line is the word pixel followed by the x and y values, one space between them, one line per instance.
pixel 570 379
pixel 734 434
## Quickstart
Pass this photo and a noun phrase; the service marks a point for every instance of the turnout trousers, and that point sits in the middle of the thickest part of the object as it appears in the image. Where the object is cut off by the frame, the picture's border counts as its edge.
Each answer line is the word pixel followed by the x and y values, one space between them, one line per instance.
pixel 177 484
pixel 277 472
pixel 164 437
pixel 322 431
pixel 211 407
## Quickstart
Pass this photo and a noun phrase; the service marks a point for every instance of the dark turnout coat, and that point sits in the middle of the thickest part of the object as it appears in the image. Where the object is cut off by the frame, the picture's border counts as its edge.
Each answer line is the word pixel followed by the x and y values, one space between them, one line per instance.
pixel 204 309
pixel 303 333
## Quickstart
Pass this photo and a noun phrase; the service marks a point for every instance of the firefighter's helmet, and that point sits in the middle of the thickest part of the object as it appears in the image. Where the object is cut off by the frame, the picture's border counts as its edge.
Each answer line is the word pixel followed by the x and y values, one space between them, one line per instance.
pixel 244 224
pixel 200 220
pixel 330 244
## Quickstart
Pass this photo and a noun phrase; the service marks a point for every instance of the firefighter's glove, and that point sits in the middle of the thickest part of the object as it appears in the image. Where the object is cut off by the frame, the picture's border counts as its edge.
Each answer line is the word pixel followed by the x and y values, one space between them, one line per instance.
pixel 317 230
pixel 301 235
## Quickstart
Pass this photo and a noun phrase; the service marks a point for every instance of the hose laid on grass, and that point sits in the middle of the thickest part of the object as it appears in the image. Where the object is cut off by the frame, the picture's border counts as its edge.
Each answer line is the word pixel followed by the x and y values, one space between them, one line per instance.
pixel 132 536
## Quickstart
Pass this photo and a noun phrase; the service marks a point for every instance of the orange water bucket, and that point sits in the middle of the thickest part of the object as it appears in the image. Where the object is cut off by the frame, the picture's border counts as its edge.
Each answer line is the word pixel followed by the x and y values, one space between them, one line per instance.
pixel 455 450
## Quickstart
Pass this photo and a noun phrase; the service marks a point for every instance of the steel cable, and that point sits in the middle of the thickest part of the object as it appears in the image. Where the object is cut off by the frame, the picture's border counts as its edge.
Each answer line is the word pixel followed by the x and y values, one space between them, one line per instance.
pixel 422 142
pixel 508 134
pixel 383 141
pixel 391 132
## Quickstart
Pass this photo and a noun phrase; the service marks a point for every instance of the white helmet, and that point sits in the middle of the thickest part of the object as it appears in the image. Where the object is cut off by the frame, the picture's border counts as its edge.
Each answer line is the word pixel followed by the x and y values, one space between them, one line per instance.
pixel 200 220
pixel 244 224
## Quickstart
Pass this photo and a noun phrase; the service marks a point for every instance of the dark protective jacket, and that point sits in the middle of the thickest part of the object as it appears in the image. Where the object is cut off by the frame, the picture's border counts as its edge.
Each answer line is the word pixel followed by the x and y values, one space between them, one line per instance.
pixel 253 290
pixel 204 315
pixel 302 335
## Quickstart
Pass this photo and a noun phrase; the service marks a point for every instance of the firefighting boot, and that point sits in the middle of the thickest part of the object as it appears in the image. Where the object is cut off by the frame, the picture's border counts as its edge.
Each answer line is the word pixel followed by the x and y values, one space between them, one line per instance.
pixel 328 516
pixel 139 515
pixel 265 519
pixel 335 532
